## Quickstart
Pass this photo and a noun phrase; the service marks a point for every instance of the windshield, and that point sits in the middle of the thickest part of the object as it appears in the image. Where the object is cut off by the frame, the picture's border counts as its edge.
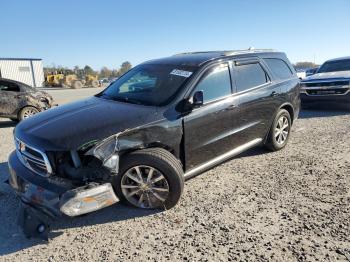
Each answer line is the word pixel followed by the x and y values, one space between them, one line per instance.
pixel 333 66
pixel 149 84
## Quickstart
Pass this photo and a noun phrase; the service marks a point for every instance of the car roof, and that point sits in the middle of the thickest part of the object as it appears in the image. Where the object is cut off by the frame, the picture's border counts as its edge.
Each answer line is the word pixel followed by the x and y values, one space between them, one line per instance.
pixel 200 58
pixel 338 59
pixel 14 81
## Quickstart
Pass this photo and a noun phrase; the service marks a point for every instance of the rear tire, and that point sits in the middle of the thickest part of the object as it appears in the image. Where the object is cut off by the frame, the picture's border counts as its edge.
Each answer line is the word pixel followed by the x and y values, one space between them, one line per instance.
pixel 27 112
pixel 279 131
pixel 135 185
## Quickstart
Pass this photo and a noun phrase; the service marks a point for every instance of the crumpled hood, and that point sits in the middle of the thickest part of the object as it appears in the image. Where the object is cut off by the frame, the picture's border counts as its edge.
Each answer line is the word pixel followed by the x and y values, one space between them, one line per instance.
pixel 341 75
pixel 69 126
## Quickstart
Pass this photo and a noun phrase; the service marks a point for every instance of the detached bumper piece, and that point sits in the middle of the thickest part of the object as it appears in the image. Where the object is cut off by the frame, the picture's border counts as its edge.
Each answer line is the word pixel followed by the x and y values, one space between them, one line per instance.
pixel 44 199
pixel 87 199
pixel 34 222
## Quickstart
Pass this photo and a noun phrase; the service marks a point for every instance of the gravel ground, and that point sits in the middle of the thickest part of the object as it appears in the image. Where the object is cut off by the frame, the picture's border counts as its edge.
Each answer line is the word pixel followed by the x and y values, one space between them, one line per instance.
pixel 293 205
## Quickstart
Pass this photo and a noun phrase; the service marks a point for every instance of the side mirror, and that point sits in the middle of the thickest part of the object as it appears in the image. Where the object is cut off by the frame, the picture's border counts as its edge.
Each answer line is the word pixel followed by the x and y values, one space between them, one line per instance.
pixel 197 99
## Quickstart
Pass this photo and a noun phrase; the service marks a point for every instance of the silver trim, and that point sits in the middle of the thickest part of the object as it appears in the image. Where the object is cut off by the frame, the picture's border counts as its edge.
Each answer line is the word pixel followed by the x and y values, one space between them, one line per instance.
pixel 231 52
pixel 304 88
pixel 195 171
pixel 26 157
pixel 325 87
pixel 304 91
pixel 315 81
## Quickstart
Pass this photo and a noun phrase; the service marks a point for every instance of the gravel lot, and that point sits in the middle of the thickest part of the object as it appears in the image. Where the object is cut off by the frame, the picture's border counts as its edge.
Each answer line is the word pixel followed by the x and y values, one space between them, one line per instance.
pixel 291 205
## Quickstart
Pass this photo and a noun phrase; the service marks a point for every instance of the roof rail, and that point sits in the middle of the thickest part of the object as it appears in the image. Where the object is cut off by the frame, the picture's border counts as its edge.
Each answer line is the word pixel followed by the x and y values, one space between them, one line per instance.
pixel 249 50
pixel 231 52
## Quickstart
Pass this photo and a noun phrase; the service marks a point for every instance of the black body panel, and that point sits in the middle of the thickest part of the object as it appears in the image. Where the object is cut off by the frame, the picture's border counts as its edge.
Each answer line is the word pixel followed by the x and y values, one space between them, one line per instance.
pixel 69 126
pixel 196 134
pixel 209 131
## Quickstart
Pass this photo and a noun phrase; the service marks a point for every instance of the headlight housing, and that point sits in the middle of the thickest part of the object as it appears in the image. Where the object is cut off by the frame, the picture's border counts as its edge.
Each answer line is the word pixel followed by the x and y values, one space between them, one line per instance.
pixel 107 152
pixel 85 200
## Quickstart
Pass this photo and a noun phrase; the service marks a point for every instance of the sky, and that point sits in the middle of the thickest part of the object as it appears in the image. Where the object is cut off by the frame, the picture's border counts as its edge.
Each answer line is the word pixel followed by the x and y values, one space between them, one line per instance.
pixel 107 33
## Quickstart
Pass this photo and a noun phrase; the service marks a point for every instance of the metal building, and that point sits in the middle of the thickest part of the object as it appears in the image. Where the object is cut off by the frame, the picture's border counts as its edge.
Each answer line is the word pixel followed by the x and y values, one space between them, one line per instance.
pixel 26 70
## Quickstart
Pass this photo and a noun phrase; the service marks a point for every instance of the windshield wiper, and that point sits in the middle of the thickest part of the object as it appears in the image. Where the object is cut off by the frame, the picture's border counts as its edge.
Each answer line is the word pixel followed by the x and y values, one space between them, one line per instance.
pixel 124 99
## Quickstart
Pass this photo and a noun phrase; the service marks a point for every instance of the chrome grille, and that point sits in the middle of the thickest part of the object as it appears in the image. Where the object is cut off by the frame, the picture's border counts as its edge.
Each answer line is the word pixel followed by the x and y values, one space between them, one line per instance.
pixel 326 88
pixel 33 158
pixel 328 84
pixel 328 91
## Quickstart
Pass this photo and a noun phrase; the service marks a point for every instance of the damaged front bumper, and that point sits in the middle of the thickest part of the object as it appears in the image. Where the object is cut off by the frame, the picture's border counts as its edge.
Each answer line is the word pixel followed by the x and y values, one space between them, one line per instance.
pixel 54 197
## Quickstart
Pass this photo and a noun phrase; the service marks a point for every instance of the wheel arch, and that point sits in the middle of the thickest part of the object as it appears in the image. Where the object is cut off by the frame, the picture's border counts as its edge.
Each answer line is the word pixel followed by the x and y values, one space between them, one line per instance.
pixel 19 110
pixel 171 150
pixel 145 146
pixel 286 106
pixel 289 107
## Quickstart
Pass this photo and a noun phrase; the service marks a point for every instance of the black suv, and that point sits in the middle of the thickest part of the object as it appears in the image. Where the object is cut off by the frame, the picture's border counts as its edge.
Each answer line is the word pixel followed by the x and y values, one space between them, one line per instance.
pixel 162 122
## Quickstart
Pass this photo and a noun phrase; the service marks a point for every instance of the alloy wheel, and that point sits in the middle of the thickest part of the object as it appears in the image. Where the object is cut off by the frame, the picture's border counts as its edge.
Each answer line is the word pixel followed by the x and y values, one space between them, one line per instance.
pixel 282 130
pixel 28 112
pixel 145 187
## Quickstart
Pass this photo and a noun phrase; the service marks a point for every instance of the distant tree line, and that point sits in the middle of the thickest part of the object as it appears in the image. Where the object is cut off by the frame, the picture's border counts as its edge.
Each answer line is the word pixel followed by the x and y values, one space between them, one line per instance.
pixel 304 65
pixel 105 72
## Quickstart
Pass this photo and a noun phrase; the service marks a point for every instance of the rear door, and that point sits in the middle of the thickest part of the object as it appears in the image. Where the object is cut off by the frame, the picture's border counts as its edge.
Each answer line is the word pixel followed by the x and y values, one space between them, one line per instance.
pixel 258 98
pixel 10 96
pixel 209 130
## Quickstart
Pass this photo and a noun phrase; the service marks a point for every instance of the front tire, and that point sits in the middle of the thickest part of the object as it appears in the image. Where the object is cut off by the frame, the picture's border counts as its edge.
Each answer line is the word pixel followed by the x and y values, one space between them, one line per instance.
pixel 149 178
pixel 279 131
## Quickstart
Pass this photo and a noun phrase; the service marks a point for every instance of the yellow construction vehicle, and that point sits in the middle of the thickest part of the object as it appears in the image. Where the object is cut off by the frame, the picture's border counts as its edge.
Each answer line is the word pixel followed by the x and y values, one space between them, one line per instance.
pixel 92 80
pixel 70 80
pixel 53 79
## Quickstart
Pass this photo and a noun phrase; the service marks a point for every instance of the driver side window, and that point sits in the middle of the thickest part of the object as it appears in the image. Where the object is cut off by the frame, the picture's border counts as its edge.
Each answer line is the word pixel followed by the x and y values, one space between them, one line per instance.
pixel 9 87
pixel 215 84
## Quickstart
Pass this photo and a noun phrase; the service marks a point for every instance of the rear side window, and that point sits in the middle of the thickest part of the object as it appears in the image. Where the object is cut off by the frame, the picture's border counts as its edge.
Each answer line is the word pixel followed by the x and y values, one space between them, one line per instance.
pixel 8 86
pixel 280 69
pixel 215 84
pixel 249 76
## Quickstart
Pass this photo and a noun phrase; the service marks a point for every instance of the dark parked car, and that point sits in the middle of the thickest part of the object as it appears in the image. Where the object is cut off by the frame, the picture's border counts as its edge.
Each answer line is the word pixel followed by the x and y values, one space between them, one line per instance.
pixel 162 122
pixel 19 101
pixel 331 83
pixel 311 71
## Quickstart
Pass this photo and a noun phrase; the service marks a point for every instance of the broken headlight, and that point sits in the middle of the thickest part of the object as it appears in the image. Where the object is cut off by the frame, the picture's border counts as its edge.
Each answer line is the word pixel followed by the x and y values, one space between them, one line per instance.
pixel 107 152
pixel 85 200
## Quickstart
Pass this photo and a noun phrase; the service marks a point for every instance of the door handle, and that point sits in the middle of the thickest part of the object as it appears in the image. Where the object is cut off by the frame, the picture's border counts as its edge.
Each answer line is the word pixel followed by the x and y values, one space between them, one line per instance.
pixel 231 107
pixel 274 93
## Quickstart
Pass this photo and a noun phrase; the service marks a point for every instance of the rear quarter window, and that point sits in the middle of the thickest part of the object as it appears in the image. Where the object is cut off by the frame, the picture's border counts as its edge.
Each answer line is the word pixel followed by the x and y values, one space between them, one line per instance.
pixel 279 68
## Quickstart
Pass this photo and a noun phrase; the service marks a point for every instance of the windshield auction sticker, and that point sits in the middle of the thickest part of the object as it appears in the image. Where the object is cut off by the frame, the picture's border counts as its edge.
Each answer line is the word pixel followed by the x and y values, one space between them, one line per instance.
pixel 182 73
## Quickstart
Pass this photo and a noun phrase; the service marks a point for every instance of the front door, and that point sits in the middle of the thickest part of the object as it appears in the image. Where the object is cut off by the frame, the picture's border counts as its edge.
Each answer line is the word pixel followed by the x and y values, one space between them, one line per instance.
pixel 209 130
